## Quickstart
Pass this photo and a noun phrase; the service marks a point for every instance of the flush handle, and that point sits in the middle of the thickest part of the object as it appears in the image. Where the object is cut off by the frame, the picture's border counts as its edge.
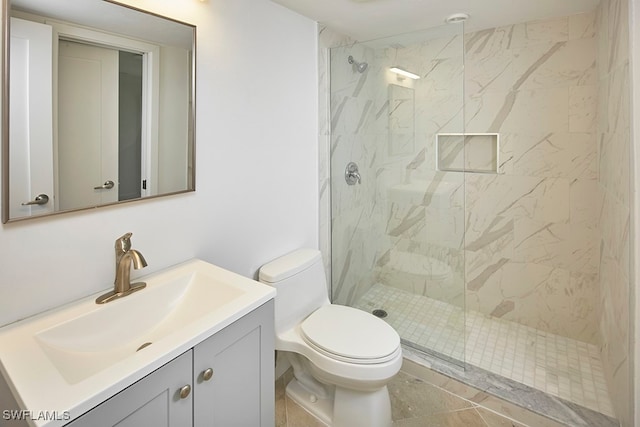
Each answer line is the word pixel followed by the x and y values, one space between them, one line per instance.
pixel 207 374
pixel 108 185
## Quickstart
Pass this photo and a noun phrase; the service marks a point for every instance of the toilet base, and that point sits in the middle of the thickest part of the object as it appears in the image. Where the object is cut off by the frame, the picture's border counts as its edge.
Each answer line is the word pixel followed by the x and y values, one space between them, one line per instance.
pixel 346 408
pixel 320 408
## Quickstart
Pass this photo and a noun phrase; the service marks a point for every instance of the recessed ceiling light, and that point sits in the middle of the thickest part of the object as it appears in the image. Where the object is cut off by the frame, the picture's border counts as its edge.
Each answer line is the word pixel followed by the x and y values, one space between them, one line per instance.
pixel 456 17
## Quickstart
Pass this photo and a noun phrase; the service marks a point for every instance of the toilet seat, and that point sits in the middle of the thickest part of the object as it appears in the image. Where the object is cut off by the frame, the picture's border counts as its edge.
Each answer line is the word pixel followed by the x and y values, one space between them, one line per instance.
pixel 350 335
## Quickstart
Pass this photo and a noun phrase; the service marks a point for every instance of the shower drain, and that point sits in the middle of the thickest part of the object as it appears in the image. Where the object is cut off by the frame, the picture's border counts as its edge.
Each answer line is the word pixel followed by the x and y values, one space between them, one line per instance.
pixel 378 312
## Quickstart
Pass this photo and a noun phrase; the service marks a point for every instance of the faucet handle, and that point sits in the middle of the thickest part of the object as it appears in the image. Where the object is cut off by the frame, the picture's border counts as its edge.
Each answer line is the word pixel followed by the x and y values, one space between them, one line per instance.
pixel 123 243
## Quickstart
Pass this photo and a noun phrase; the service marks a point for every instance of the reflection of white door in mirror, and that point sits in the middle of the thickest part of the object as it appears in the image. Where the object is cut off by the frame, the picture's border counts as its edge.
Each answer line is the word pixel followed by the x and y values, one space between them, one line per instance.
pixel 87 124
pixel 31 149
pixel 107 107
pixel 154 151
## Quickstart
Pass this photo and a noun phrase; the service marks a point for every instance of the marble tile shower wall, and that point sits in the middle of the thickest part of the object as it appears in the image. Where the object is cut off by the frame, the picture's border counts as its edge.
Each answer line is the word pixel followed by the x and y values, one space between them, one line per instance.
pixel 424 208
pixel 531 247
pixel 355 211
pixel 378 228
pixel 327 38
pixel 613 129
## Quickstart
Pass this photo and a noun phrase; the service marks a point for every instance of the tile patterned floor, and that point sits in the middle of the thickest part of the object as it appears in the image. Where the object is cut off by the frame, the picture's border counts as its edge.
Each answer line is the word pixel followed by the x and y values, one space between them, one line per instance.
pixel 417 402
pixel 559 366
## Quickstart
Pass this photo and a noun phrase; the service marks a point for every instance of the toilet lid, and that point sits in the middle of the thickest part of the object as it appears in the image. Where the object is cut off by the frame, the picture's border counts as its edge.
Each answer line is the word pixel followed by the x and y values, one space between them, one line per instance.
pixel 349 334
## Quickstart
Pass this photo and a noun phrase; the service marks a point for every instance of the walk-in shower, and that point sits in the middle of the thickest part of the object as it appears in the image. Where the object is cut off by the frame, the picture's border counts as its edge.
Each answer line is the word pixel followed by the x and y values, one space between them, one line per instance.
pixel 473 230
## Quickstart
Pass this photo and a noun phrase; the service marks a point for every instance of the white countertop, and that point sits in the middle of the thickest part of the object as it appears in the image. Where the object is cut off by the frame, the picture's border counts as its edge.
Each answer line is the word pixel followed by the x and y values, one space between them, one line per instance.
pixel 41 388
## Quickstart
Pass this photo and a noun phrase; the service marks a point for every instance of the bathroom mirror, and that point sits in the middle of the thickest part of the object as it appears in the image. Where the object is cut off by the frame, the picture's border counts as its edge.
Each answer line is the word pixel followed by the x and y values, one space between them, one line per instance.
pixel 98 106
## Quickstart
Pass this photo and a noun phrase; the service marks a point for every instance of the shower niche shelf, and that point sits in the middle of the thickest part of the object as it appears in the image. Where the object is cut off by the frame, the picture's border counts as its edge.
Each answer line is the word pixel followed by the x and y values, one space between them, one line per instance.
pixel 468 152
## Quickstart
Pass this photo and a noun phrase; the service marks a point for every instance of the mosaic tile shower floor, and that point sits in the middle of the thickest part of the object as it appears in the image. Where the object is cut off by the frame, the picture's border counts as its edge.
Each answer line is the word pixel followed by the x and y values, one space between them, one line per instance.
pixel 559 366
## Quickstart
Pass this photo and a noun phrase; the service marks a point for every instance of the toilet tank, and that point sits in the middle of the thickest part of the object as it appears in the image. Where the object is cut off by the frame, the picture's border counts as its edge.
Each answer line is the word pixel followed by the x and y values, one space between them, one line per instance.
pixel 300 284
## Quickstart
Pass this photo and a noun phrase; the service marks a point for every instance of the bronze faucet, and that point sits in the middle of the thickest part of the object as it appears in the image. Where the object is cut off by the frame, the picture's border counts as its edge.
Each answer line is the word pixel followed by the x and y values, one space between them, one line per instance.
pixel 125 256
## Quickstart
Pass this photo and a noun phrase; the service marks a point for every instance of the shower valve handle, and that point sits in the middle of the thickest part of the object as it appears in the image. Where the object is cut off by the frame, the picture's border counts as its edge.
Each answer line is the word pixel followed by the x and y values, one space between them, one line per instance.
pixel 351 174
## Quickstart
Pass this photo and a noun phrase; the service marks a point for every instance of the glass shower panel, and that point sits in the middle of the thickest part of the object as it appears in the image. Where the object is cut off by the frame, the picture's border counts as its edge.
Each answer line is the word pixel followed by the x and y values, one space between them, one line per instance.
pixel 398 221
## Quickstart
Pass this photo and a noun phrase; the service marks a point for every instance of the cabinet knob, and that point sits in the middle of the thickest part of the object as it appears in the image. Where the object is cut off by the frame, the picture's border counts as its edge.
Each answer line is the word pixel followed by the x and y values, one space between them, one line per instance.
pixel 207 374
pixel 184 391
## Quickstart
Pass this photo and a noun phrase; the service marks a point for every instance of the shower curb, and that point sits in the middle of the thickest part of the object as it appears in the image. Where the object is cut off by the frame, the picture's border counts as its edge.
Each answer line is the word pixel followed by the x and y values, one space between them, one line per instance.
pixel 529 398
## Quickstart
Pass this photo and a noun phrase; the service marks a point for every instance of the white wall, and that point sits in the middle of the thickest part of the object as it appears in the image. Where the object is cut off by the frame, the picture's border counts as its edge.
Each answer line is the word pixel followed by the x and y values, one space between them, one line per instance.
pixel 257 174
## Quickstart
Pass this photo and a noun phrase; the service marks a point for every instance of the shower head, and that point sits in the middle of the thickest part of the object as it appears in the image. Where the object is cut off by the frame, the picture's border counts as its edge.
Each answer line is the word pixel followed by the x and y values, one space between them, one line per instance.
pixel 360 66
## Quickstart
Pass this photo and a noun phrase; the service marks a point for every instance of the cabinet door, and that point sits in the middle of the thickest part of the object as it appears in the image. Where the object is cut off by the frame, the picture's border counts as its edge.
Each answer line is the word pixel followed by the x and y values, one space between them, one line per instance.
pixel 154 401
pixel 241 390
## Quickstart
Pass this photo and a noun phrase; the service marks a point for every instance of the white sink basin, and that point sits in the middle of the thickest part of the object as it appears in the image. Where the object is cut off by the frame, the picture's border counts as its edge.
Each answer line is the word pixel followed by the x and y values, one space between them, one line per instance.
pixel 72 358
pixel 89 343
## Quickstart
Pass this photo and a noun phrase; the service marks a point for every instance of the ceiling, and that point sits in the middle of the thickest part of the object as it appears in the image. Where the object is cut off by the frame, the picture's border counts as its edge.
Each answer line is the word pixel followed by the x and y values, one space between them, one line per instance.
pixel 371 19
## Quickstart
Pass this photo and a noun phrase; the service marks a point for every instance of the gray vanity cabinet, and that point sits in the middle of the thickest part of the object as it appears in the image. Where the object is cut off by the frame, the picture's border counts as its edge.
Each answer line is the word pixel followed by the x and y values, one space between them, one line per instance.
pixel 240 388
pixel 153 401
pixel 230 376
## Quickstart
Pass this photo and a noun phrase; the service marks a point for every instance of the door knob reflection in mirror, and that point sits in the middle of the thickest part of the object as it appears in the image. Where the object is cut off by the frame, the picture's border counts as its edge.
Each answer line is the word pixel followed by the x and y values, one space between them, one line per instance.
pixel 108 185
pixel 41 199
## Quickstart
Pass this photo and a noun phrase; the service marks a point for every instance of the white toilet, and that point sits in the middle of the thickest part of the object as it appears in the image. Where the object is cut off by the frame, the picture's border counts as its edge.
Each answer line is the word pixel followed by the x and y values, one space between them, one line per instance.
pixel 342 357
